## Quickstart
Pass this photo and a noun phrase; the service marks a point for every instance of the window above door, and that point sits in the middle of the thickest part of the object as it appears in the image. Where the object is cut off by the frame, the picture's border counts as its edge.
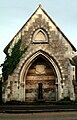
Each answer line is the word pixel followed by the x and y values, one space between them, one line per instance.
pixel 40 36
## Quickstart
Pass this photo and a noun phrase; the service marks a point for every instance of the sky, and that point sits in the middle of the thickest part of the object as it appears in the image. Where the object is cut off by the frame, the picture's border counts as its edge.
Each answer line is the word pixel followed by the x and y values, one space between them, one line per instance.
pixel 14 13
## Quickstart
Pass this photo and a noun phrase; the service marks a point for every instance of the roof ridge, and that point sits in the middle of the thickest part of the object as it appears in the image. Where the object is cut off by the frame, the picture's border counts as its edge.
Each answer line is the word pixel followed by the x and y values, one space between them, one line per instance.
pixel 40 6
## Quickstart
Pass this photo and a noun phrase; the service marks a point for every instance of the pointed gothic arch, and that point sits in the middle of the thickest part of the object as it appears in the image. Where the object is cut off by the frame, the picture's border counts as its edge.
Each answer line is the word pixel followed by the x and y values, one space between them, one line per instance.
pixel 40 36
pixel 27 65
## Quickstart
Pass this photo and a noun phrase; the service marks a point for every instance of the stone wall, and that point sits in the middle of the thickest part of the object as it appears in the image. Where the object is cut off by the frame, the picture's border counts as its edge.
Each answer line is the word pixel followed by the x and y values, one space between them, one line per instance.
pixel 55 48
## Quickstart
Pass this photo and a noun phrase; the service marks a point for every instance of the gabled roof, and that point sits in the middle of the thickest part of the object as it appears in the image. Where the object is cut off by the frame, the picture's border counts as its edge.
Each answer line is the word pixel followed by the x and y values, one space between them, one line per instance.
pixel 6 48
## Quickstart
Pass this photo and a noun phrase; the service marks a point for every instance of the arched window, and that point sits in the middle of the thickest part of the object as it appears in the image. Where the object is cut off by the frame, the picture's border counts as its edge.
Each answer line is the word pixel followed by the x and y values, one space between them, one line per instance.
pixel 40 36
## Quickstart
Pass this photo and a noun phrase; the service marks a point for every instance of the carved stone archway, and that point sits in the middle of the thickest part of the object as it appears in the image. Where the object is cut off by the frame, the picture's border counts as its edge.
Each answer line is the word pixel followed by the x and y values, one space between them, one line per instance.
pixel 49 63
pixel 40 81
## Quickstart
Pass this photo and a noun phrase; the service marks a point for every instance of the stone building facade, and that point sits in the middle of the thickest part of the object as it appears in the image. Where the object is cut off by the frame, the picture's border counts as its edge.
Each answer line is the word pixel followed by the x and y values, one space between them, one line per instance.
pixel 44 72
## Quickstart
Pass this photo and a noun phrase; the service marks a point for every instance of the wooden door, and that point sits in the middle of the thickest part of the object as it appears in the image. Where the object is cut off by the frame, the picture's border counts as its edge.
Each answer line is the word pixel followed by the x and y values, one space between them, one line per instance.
pixel 40 81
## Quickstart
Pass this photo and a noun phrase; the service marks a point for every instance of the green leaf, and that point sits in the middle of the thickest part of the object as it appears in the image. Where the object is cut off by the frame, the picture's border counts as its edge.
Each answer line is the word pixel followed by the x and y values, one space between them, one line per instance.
pixel 11 62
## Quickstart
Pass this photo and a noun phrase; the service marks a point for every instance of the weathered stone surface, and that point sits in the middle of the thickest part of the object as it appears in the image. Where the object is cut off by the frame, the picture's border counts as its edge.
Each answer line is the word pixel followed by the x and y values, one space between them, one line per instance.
pixel 46 63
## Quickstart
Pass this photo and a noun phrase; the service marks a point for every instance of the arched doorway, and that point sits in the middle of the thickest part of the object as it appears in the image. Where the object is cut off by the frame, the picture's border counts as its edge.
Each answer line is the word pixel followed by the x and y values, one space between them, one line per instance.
pixel 40 82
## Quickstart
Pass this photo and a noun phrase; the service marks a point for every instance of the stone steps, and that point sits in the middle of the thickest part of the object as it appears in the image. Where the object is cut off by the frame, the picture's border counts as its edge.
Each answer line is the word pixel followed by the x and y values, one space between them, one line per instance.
pixel 36 108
